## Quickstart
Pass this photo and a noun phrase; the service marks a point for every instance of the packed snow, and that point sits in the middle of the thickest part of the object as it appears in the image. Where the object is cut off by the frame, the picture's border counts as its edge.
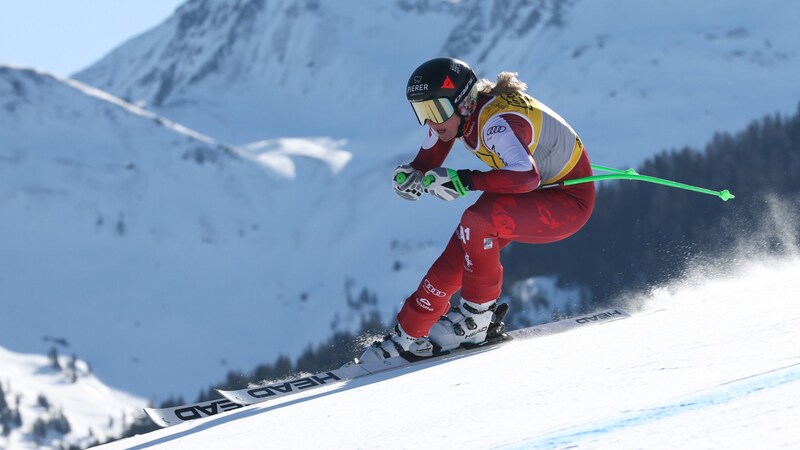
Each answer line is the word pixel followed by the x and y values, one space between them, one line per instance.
pixel 709 362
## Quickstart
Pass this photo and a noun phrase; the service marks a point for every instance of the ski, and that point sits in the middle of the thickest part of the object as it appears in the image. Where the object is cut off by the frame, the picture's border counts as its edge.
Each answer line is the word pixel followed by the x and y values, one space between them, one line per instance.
pixel 234 399
pixel 347 372
pixel 166 417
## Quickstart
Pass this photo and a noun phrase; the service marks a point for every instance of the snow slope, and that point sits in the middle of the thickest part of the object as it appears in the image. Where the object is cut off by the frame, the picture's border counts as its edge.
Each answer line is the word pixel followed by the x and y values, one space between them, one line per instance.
pixel 710 362
pixel 94 411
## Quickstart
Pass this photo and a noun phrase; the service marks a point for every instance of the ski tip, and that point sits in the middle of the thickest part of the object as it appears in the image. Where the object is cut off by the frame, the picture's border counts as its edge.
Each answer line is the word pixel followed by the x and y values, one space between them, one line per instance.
pixel 231 396
pixel 156 417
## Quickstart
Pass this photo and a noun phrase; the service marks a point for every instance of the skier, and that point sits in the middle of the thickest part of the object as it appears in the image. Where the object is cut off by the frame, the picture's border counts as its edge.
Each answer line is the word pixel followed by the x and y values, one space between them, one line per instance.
pixel 526 144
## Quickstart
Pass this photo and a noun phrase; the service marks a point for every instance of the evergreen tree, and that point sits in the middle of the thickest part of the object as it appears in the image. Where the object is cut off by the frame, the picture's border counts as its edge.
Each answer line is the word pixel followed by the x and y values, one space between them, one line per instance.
pixel 39 430
pixel 3 403
pixel 59 423
pixel 5 414
pixel 53 358
pixel 71 371
pixel 42 401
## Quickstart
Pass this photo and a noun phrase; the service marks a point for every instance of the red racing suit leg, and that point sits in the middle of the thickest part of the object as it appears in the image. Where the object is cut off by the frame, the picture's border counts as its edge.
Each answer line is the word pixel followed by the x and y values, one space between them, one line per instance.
pixel 471 260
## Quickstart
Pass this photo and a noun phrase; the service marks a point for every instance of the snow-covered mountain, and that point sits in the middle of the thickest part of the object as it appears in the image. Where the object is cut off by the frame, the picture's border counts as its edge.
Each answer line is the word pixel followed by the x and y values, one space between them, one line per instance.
pixel 710 362
pixel 56 402
pixel 228 208
pixel 121 225
pixel 632 77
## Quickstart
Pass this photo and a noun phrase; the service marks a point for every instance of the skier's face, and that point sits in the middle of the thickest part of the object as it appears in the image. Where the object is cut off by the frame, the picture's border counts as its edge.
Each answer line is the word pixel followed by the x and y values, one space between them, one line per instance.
pixel 446 130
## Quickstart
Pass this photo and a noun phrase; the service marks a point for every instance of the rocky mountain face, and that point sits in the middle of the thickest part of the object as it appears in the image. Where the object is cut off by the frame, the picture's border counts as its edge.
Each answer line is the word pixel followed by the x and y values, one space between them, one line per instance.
pixel 660 75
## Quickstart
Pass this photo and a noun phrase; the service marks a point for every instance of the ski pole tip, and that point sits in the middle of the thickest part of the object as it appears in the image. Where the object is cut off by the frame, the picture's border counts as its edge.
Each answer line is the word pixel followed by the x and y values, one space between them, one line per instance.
pixel 725 195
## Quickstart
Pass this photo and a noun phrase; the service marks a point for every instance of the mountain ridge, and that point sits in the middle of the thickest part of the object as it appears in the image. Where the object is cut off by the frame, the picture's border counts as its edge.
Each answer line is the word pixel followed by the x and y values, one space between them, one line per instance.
pixel 301 68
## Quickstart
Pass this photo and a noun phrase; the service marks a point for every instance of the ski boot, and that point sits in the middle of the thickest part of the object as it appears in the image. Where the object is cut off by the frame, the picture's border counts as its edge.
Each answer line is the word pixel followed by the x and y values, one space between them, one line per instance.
pixel 469 324
pixel 397 343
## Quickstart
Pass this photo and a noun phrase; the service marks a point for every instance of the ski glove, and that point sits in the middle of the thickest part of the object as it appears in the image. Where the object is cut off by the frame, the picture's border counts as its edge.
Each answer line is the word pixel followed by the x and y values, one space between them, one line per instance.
pixel 407 182
pixel 447 184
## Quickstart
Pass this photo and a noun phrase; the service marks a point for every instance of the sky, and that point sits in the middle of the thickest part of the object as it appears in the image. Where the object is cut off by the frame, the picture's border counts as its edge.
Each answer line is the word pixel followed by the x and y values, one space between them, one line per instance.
pixel 63 37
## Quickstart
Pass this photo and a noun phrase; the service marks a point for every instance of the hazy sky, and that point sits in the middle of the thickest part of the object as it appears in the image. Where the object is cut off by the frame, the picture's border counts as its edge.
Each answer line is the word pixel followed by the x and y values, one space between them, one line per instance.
pixel 64 36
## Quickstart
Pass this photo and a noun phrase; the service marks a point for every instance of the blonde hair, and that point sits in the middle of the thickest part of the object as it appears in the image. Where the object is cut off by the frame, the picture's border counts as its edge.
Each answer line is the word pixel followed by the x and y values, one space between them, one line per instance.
pixel 507 83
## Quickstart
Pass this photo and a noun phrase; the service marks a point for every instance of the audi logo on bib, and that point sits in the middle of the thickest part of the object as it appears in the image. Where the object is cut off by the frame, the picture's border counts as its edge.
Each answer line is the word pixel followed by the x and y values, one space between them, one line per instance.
pixel 494 130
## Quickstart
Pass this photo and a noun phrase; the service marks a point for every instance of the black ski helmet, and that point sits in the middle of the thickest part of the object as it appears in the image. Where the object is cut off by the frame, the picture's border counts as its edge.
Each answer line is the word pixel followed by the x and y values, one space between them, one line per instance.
pixel 441 87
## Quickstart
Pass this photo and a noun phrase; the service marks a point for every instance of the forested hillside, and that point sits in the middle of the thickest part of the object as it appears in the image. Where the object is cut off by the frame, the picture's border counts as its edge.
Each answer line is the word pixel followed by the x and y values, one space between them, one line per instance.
pixel 643 234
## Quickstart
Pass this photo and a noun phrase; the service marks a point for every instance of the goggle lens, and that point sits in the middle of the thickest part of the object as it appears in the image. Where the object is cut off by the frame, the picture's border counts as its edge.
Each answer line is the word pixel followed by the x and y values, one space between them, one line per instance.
pixel 436 110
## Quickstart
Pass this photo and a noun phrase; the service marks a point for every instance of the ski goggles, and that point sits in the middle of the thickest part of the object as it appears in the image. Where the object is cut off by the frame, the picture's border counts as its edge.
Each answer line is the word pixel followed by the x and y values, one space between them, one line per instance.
pixel 436 110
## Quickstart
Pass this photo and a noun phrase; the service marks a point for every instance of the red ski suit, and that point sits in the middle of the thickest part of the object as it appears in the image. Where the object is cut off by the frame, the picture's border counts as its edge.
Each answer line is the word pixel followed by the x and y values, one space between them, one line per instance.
pixel 526 144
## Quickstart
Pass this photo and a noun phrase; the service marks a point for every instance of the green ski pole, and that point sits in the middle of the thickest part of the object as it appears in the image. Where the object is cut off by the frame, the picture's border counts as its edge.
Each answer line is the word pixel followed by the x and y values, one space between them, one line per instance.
pixel 630 174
